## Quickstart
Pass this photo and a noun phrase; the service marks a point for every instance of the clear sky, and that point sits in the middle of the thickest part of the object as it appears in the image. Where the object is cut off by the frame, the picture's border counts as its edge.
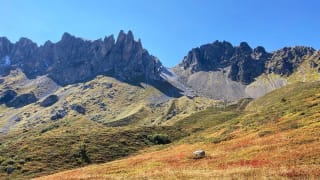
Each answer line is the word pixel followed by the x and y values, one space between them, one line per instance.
pixel 168 28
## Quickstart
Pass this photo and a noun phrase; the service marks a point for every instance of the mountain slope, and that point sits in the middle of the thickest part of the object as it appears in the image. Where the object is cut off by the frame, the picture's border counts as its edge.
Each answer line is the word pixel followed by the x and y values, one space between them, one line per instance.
pixel 112 118
pixel 276 136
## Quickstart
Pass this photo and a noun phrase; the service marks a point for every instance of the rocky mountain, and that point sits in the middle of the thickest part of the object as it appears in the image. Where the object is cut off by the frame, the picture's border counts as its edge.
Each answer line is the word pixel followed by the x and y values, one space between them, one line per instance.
pixel 217 70
pixel 73 59
pixel 222 71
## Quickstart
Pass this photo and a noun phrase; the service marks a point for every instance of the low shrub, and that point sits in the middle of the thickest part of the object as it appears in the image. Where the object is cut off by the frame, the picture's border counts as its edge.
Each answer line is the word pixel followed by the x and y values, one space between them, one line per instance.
pixel 160 138
pixel 49 128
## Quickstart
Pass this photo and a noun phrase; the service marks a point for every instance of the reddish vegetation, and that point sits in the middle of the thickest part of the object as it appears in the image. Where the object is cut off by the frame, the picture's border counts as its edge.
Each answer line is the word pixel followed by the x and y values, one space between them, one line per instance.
pixel 250 163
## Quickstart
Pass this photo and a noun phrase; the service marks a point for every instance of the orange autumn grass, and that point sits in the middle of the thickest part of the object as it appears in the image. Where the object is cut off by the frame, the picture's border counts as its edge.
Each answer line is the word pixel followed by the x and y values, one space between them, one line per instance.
pixel 293 154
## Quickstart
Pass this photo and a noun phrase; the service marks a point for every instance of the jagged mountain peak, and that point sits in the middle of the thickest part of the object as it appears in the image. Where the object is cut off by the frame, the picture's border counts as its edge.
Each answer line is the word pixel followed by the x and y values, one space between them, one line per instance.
pixel 244 46
pixel 66 36
pixel 73 59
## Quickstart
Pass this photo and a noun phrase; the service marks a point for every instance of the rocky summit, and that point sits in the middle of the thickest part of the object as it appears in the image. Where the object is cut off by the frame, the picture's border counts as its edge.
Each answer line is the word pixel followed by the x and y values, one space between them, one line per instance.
pixel 73 59
pixel 246 63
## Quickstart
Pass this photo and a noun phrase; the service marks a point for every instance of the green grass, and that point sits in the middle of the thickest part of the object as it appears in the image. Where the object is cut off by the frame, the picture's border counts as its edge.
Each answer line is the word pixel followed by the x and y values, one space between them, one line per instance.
pixel 68 145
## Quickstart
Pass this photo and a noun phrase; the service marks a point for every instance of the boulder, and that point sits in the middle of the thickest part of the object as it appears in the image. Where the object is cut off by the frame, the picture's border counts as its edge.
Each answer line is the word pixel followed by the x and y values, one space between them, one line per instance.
pixel 199 154
pixel 49 101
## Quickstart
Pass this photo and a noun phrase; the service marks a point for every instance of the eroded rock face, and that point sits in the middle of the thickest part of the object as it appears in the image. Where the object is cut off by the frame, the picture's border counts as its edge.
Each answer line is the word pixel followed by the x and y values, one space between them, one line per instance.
pixel 73 59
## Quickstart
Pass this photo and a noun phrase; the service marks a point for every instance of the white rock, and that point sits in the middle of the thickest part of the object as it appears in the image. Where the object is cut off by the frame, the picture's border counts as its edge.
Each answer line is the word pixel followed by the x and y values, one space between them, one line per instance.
pixel 199 154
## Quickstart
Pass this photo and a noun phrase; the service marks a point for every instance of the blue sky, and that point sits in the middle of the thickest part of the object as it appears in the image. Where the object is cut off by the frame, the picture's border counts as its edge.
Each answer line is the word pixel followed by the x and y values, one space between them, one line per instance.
pixel 168 28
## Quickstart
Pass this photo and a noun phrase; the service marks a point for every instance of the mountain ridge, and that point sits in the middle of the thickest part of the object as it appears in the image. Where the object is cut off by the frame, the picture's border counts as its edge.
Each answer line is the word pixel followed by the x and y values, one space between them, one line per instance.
pixel 124 58
pixel 217 70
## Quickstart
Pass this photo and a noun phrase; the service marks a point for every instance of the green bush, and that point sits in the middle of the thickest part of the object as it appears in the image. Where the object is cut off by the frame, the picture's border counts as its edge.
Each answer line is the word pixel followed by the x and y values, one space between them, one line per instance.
pixel 83 153
pixel 225 137
pixel 160 138
pixel 8 162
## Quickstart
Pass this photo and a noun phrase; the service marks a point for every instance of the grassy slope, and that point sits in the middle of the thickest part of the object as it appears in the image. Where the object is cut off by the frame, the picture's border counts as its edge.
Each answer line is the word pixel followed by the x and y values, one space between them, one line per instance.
pixel 139 105
pixel 60 146
pixel 277 136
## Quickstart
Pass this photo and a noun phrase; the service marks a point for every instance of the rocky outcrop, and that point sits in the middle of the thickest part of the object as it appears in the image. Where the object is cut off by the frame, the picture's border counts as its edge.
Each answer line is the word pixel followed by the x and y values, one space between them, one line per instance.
pixel 78 108
pixel 73 59
pixel 208 57
pixel 22 100
pixel 49 101
pixel 288 59
pixel 247 63
pixel 58 114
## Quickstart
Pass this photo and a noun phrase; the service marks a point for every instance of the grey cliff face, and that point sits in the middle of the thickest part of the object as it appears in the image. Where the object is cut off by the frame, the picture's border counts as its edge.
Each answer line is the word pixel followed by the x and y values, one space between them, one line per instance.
pixel 73 59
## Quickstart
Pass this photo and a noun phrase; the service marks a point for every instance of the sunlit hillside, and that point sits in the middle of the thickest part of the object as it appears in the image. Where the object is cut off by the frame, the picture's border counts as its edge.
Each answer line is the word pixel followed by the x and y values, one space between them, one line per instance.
pixel 276 136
